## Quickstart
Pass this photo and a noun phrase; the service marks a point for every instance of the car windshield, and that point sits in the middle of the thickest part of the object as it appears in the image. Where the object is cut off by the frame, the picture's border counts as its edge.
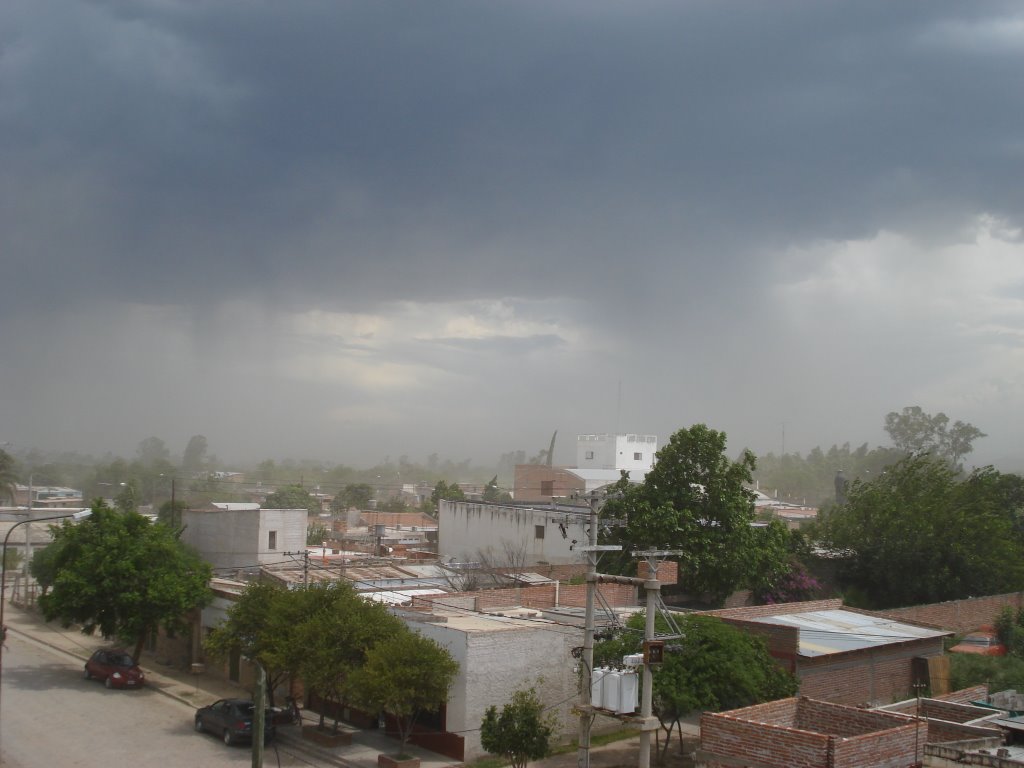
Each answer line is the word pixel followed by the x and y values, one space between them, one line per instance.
pixel 121 660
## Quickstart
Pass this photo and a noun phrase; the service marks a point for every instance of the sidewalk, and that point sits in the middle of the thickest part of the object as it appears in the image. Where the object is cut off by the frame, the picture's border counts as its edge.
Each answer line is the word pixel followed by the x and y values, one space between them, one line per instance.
pixel 198 690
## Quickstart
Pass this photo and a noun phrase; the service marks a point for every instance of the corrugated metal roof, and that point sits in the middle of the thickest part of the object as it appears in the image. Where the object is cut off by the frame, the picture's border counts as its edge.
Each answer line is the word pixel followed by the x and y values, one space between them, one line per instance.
pixel 827 632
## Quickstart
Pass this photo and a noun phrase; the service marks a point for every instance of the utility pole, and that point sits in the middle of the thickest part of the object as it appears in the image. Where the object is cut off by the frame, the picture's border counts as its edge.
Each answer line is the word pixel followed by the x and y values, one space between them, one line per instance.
pixel 587 678
pixel 305 568
pixel 593 550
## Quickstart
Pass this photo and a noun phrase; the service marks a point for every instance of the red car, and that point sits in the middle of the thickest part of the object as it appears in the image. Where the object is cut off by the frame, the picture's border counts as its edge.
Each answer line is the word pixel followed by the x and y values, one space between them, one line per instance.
pixel 115 668
pixel 984 641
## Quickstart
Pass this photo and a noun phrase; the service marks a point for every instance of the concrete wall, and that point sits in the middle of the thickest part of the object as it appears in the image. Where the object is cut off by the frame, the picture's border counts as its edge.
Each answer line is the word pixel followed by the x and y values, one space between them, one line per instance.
pixel 238 538
pixel 466 529
pixel 494 663
pixel 616 451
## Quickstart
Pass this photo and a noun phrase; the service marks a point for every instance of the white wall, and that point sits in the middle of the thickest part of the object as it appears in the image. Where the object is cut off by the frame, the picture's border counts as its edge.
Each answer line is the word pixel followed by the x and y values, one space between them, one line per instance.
pixel 616 451
pixel 495 663
pixel 238 538
pixel 465 529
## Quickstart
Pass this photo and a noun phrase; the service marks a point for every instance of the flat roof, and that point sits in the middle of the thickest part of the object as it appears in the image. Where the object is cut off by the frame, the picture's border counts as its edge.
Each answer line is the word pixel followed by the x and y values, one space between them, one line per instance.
pixel 827 632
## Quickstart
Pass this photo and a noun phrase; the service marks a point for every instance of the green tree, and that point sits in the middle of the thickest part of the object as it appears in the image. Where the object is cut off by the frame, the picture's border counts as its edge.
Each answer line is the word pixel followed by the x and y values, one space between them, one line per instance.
pixel 194 458
pixel 292 497
pixel 403 675
pixel 336 640
pixel 43 565
pixel 262 626
pixel 715 667
pixel 317 534
pixel 922 534
pixel 169 513
pixel 693 500
pixel 356 495
pixel 8 475
pixel 12 559
pixel 120 574
pixel 494 494
pixel 448 492
pixel 520 732
pixel 127 499
pixel 913 431
pixel 153 451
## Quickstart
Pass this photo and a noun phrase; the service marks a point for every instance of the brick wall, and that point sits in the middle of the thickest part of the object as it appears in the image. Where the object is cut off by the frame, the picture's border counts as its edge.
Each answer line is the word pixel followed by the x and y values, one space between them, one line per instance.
pixel 840 720
pixel 826 735
pixel 779 609
pixel 724 740
pixel 966 695
pixel 783 642
pixel 957 615
pixel 893 748
pixel 869 676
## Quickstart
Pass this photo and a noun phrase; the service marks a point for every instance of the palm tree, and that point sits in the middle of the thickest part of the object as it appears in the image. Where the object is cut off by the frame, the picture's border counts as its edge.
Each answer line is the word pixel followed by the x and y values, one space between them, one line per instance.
pixel 8 476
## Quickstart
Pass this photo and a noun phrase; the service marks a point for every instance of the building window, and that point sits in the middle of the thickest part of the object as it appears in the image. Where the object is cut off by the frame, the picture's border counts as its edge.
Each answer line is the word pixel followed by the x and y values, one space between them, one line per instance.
pixel 547 487
pixel 272 540
pixel 538 531
pixel 589 455
pixel 638 456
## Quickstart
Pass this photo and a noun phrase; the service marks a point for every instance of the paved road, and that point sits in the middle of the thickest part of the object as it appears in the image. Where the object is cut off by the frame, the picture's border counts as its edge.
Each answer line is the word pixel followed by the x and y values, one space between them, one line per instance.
pixel 51 716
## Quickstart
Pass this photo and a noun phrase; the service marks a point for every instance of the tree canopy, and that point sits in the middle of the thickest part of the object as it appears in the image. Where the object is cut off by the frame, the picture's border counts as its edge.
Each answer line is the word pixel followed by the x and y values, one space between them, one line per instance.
pixel 694 500
pixel 123 575
pixel 404 674
pixel 356 495
pixel 713 667
pixel 520 732
pixel 921 533
pixel 913 431
pixel 292 497
pixel 8 475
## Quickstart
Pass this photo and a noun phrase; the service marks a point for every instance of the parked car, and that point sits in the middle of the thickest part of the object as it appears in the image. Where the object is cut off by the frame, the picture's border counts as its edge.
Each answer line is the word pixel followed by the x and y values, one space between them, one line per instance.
pixel 983 641
pixel 117 669
pixel 231 719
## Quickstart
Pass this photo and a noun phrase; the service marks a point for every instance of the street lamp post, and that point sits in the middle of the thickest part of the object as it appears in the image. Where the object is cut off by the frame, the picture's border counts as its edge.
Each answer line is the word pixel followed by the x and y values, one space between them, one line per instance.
pixel 3 569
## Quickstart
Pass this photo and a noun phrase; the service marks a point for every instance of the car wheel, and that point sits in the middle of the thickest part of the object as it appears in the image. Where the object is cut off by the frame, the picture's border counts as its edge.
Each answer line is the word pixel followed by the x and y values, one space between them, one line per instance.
pixel 199 725
pixel 228 738
pixel 88 675
pixel 109 683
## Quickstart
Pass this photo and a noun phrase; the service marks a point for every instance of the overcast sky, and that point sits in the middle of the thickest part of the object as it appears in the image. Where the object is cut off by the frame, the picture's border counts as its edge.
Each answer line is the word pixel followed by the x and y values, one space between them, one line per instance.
pixel 347 231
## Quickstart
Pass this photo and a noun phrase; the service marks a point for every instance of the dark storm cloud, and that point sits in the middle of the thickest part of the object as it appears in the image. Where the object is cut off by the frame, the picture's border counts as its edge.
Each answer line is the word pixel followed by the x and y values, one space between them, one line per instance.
pixel 324 148
pixel 678 180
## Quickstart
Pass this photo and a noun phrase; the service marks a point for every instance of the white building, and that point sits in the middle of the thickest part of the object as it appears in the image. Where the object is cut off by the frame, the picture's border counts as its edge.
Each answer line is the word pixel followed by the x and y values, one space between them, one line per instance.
pixel 244 535
pixel 634 453
pixel 498 656
pixel 468 530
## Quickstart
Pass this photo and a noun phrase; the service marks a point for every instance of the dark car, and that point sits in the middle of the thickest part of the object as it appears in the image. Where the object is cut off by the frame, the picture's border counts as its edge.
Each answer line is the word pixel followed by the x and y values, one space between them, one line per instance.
pixel 117 669
pixel 231 719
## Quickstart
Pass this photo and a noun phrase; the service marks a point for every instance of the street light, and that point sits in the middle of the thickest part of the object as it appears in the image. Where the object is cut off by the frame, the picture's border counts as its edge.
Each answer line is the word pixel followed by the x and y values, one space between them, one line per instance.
pixel 81 515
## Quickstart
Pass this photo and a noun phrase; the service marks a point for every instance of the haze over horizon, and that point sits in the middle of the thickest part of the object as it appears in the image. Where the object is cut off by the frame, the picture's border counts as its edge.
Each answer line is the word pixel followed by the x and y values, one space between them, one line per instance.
pixel 350 231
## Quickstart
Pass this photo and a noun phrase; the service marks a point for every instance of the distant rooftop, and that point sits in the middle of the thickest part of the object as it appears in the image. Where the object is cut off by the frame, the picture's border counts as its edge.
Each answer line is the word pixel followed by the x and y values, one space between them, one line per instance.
pixel 836 631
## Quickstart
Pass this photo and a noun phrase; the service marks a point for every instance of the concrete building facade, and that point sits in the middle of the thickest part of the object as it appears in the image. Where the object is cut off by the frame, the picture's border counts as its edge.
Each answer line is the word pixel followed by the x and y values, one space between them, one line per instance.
pixel 244 535
pixel 498 656
pixel 470 531
pixel 618 452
